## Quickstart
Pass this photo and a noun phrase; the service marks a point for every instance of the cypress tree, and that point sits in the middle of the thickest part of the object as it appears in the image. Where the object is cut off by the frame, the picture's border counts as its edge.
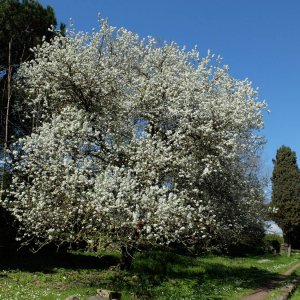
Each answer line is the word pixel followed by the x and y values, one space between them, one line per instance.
pixel 286 194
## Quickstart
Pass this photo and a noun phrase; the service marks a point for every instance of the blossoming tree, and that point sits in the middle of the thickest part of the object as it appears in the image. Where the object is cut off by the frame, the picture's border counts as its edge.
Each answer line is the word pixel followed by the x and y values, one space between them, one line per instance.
pixel 133 140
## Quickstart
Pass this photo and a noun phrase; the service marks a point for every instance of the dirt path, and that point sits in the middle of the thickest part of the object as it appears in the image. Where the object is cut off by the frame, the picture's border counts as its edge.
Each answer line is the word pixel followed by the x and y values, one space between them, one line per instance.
pixel 264 292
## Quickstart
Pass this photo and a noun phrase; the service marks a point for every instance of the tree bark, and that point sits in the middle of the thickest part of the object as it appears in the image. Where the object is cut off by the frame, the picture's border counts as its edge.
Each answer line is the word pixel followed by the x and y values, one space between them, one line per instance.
pixel 289 250
pixel 127 253
pixel 5 146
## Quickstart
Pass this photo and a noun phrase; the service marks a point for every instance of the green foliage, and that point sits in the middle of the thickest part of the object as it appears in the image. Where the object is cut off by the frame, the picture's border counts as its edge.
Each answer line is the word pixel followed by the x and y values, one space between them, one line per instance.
pixel 272 243
pixel 250 241
pixel 23 23
pixel 286 192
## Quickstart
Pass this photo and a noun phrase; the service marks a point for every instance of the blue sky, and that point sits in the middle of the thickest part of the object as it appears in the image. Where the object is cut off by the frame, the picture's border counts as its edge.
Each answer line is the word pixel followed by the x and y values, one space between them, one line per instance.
pixel 259 40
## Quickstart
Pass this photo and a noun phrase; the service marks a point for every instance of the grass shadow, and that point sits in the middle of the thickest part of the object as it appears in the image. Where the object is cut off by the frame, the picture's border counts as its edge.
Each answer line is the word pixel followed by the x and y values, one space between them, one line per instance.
pixel 48 262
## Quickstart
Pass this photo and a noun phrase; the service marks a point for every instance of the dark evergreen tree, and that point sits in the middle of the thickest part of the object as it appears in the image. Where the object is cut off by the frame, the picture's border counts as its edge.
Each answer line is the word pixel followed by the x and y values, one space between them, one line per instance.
pixel 23 24
pixel 286 193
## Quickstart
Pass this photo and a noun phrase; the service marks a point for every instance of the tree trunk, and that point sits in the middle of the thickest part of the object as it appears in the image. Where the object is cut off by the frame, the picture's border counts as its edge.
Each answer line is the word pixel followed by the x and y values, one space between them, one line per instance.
pixel 5 146
pixel 289 250
pixel 127 253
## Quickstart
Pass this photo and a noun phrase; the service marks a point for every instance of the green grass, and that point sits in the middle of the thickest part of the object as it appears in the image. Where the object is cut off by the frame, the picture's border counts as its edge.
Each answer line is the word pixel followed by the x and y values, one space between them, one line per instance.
pixel 154 275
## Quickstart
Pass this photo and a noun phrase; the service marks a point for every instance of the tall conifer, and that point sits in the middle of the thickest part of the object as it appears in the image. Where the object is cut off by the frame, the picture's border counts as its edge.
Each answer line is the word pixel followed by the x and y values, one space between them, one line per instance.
pixel 286 193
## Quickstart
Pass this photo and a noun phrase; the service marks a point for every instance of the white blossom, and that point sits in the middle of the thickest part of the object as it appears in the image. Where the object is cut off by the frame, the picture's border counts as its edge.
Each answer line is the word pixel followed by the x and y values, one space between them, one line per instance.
pixel 133 140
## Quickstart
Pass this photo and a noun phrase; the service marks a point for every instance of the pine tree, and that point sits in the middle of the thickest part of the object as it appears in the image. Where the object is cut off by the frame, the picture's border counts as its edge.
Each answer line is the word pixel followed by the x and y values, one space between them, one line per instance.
pixel 286 193
pixel 24 24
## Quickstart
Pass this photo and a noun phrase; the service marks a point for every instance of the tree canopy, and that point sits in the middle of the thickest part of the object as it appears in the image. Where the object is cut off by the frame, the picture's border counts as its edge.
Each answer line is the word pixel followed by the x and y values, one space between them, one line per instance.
pixel 134 141
pixel 24 24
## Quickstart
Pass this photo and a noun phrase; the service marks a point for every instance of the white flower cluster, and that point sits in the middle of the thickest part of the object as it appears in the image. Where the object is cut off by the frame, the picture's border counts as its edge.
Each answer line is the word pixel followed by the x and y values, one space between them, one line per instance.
pixel 133 140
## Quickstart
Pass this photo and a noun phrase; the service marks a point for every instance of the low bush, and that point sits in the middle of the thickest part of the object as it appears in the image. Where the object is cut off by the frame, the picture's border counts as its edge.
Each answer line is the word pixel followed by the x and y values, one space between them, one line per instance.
pixel 272 243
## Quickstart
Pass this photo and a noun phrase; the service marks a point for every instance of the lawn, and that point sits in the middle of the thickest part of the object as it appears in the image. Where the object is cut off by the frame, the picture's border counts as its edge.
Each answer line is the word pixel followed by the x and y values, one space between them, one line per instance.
pixel 154 275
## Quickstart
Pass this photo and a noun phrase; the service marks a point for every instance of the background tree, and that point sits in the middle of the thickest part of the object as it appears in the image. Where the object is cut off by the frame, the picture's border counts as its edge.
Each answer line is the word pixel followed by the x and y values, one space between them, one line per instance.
pixel 24 25
pixel 286 194
pixel 135 142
